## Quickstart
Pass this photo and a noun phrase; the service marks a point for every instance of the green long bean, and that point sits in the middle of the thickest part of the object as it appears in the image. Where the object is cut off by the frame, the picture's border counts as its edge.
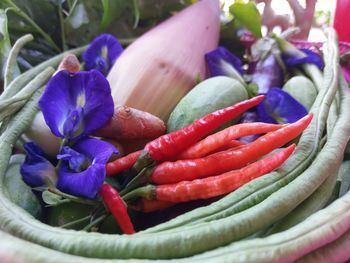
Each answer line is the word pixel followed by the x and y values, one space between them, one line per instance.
pixel 11 63
pixel 257 190
pixel 20 81
pixel 191 240
pixel 182 242
pixel 336 251
pixel 320 228
pixel 11 105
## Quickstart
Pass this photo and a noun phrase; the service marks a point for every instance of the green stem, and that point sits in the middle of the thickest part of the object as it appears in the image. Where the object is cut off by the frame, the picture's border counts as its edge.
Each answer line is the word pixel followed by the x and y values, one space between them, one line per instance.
pixel 136 13
pixel 95 222
pixel 63 34
pixel 63 201
pixel 59 163
pixel 148 192
pixel 140 179
pixel 75 222
pixel 126 41
pixel 69 3
pixel 289 32
pixel 19 12
pixel 73 198
pixel 71 10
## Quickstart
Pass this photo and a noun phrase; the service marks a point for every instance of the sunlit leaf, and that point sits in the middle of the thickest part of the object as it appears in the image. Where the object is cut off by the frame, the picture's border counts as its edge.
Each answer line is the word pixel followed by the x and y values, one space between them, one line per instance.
pixel 112 9
pixel 83 24
pixel 52 199
pixel 248 15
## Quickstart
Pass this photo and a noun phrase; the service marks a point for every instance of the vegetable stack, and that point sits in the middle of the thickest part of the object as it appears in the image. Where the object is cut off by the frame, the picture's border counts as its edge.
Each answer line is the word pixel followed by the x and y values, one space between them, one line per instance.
pixel 284 193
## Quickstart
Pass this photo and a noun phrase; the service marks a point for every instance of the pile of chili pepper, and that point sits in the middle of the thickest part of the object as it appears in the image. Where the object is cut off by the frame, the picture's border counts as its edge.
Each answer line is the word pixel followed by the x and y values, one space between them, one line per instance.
pixel 186 165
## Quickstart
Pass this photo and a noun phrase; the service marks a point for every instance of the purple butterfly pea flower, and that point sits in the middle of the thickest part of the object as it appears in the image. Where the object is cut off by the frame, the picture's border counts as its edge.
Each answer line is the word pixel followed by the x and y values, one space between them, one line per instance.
pixel 267 73
pixel 222 62
pixel 310 57
pixel 102 53
pixel 249 117
pixel 76 104
pixel 82 171
pixel 37 170
pixel 280 107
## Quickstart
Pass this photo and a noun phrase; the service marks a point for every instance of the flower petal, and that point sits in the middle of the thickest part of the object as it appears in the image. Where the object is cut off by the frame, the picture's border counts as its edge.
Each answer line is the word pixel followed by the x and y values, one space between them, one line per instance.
pixel 74 105
pixel 85 183
pixel 96 150
pixel 222 62
pixel 280 107
pixel 267 74
pixel 102 53
pixel 76 161
pixel 310 57
pixel 36 169
pixel 249 117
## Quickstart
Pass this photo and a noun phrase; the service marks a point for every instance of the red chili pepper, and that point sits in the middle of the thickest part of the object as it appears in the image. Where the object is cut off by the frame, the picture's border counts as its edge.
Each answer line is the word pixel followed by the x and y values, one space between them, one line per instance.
pixel 148 206
pixel 173 172
pixel 117 207
pixel 168 146
pixel 220 184
pixel 126 162
pixel 211 186
pixel 123 163
pixel 224 137
pixel 233 144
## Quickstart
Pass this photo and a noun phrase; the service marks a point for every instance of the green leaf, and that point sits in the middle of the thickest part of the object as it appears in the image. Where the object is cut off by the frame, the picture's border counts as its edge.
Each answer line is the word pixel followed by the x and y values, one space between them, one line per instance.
pixel 5 44
pixel 252 90
pixel 83 23
pixel 248 15
pixel 52 199
pixel 112 9
pixel 44 13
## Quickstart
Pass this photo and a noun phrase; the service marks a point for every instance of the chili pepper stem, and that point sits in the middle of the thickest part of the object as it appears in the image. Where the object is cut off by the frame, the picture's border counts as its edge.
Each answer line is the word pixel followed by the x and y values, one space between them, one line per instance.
pixel 73 198
pixel 143 161
pixel 168 146
pixel 147 192
pixel 95 222
pixel 140 179
pixel 75 222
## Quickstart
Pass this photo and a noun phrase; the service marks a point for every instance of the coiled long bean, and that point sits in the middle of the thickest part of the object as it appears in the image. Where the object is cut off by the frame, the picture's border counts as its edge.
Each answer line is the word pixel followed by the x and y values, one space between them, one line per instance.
pixel 186 241
pixel 256 191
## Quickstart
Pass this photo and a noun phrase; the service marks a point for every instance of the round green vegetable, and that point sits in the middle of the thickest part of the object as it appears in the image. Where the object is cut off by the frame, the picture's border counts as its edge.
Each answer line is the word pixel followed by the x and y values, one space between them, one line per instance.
pixel 208 96
pixel 302 89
